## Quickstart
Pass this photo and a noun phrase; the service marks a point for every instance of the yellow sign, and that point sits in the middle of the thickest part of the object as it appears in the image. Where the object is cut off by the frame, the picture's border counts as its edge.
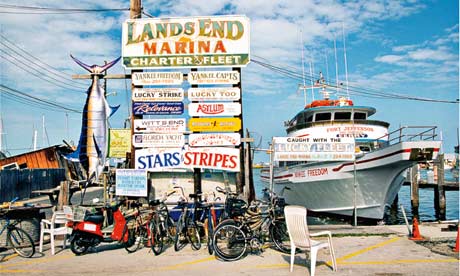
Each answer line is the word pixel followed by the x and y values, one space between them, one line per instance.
pixel 214 124
pixel 119 142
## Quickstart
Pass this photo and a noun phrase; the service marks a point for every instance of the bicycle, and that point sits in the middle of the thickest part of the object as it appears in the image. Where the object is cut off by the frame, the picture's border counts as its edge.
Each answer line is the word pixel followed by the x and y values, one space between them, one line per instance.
pixel 186 229
pixel 161 226
pixel 138 229
pixel 205 217
pixel 19 240
pixel 234 238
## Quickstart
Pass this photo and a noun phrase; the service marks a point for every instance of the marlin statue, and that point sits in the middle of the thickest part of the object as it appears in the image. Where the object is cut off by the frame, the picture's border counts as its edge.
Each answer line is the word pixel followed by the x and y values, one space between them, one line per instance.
pixel 93 145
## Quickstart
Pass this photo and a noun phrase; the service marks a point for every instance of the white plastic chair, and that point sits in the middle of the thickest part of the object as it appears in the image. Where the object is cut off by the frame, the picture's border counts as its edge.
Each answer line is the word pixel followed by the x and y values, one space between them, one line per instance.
pixel 54 227
pixel 296 222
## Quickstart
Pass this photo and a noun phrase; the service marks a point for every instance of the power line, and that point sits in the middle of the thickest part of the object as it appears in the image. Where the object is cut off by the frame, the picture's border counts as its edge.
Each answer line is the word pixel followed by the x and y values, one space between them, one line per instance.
pixel 45 66
pixel 27 98
pixel 18 9
pixel 37 73
pixel 353 89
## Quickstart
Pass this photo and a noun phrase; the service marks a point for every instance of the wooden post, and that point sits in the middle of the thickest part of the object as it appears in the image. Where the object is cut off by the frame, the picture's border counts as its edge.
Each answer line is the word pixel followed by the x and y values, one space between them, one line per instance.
pixel 135 12
pixel 63 198
pixel 414 198
pixel 439 192
pixel 240 179
pixel 249 193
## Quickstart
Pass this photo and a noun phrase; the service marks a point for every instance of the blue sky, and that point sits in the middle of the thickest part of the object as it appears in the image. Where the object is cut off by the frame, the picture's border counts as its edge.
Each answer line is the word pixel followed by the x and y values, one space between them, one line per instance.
pixel 401 47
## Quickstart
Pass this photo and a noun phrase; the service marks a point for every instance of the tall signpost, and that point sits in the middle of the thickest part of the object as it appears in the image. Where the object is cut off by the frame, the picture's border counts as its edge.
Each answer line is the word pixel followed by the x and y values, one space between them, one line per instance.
pixel 213 101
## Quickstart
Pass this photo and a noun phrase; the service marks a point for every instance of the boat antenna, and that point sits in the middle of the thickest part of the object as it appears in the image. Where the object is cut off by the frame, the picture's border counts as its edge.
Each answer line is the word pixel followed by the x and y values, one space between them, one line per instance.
pixel 336 67
pixel 345 60
pixel 327 65
pixel 303 86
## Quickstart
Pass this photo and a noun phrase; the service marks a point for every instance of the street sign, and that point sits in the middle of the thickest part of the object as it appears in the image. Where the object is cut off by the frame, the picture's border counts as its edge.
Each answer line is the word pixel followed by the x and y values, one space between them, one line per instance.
pixel 160 125
pixel 213 77
pixel 214 139
pixel 211 41
pixel 158 159
pixel 158 108
pixel 158 94
pixel 158 140
pixel 219 158
pixel 214 109
pixel 214 94
pixel 157 78
pixel 119 142
pixel 214 124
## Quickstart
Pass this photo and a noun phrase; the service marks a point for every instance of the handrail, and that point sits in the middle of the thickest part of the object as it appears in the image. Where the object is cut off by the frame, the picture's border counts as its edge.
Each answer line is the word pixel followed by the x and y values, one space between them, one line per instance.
pixel 428 133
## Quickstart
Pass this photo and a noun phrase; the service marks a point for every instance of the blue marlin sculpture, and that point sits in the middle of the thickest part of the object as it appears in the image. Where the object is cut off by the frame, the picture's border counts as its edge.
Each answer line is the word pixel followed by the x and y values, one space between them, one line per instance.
pixel 93 145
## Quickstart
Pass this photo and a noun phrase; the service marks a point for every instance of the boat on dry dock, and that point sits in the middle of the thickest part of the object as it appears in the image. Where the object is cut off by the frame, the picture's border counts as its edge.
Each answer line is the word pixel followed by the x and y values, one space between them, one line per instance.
pixel 381 159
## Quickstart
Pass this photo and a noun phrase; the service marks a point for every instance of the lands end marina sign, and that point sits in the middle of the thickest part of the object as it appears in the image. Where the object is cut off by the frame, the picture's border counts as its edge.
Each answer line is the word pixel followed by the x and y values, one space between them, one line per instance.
pixel 215 41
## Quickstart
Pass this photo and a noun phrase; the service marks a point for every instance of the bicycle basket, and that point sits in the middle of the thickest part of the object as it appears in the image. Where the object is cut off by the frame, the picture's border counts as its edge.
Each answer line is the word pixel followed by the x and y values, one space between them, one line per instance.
pixel 79 213
pixel 236 207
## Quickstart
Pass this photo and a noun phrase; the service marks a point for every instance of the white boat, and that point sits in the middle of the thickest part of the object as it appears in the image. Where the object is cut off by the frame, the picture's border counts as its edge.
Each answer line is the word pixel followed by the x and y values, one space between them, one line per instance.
pixel 381 159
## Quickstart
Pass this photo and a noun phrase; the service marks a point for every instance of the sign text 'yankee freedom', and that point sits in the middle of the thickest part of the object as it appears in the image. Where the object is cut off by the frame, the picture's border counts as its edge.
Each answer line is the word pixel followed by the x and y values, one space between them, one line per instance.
pixel 155 159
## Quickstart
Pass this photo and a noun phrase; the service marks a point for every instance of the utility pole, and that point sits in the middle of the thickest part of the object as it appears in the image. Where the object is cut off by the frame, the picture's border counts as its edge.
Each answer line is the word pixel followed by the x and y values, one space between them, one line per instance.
pixel 135 8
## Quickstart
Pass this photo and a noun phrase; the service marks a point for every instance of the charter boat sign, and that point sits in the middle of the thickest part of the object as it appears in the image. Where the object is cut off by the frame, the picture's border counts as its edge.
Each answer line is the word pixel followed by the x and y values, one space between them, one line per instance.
pixel 214 109
pixel 160 140
pixel 214 41
pixel 158 94
pixel 313 149
pixel 160 125
pixel 214 94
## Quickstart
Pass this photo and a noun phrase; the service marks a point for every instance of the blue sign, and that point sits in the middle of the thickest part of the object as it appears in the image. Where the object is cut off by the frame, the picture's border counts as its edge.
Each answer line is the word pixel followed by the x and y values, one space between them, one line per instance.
pixel 158 108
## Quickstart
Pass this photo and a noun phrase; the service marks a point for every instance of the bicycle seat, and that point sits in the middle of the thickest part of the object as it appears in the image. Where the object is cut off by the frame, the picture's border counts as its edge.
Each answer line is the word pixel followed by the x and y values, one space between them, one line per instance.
pixel 95 218
pixel 195 196
pixel 154 202
pixel 136 204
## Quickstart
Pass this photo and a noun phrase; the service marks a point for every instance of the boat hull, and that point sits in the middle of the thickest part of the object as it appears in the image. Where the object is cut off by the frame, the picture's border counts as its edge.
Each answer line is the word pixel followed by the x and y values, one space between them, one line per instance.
pixel 329 187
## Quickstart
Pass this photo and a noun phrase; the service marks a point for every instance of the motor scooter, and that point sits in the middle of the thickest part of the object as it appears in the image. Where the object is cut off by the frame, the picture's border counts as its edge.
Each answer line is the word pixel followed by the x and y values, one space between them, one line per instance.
pixel 89 232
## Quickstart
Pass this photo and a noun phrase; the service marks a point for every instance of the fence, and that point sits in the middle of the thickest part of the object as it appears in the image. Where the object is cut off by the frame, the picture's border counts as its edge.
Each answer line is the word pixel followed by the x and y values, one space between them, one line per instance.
pixel 20 183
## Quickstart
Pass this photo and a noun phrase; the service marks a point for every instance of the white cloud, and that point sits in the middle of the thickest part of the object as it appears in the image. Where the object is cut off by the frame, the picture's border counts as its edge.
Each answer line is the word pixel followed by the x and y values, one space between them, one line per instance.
pixel 389 59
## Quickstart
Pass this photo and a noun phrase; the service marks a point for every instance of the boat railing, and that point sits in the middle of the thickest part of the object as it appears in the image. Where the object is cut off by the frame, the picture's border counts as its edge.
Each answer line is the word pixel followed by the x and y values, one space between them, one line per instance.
pixel 411 133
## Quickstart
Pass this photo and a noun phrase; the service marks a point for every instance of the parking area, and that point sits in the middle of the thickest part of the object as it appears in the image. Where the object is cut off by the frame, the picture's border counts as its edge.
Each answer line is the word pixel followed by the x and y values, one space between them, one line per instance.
pixel 356 255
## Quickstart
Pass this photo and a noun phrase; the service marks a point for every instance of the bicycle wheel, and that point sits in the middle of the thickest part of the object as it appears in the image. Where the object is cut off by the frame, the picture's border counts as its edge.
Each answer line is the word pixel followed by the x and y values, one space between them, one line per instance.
pixel 193 235
pixel 156 237
pixel 134 236
pixel 180 239
pixel 21 242
pixel 280 236
pixel 229 242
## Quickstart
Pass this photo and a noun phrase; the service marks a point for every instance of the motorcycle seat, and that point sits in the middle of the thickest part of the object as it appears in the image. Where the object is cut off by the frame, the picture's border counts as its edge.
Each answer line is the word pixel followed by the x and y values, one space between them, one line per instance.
pixel 98 219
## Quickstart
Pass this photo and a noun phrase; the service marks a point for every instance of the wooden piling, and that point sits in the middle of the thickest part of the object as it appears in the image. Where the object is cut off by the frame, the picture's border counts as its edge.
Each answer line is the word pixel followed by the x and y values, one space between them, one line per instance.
pixel 439 191
pixel 414 196
pixel 63 198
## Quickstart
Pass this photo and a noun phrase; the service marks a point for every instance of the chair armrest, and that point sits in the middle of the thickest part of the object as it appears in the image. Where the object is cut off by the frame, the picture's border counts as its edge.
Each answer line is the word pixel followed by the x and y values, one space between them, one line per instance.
pixel 46 221
pixel 322 233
